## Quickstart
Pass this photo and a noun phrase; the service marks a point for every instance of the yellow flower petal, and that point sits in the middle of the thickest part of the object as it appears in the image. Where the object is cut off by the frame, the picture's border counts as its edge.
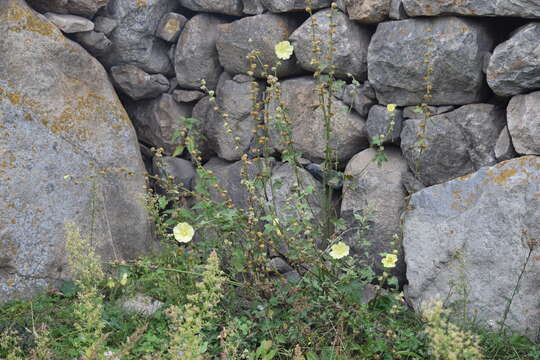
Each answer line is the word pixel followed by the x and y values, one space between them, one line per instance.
pixel 339 250
pixel 284 50
pixel 389 261
pixel 391 107
pixel 183 232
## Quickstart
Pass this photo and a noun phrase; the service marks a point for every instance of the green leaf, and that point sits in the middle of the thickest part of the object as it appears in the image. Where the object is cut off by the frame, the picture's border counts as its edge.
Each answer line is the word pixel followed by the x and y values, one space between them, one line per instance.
pixel 162 202
pixel 179 150
pixel 69 288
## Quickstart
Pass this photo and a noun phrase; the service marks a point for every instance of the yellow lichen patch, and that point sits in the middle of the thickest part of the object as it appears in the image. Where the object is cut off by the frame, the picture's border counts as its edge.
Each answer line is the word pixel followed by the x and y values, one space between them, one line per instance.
pixel 140 3
pixel 504 176
pixel 21 18
pixel 172 25
pixel 464 177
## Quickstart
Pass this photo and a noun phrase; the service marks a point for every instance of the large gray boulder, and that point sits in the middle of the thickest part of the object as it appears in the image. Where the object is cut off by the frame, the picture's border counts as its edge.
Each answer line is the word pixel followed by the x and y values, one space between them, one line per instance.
pixel 230 130
pixel 454 48
pixel 514 67
pixel 377 193
pixel 523 115
pixel 453 144
pixel 514 8
pixel 86 8
pixel 157 121
pixel 134 40
pixel 368 11
pixel 196 57
pixel 68 154
pixel 228 7
pixel 351 42
pixel 238 39
pixel 280 6
pixel 138 84
pixel 473 240
pixel 301 100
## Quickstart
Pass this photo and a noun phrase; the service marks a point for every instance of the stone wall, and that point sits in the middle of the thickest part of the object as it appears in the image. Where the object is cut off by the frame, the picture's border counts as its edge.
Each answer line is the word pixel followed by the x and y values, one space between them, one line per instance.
pixel 470 170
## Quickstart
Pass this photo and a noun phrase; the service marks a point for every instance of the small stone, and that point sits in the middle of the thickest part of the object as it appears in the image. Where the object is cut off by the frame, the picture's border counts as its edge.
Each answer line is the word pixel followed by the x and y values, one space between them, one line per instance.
pixel 281 6
pixel 104 24
pixel 95 42
pixel 350 41
pixel 397 11
pixel 523 114
pixel 416 112
pixel 238 39
pixel 137 84
pixel 279 265
pixel 379 122
pixel 187 96
pixel 141 304
pixel 368 11
pixel 504 150
pixel 196 57
pixel 157 120
pixel 182 171
pixel 170 26
pixel 70 23
pixel 514 67
pixel 253 7
pixel 228 7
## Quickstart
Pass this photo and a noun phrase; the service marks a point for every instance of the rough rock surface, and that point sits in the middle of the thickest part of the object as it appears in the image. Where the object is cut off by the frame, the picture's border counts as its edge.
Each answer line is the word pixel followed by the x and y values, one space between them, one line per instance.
pixel 104 24
pixel 232 136
pixel 260 32
pixel 182 171
pixel 368 11
pixel 349 134
pixel 361 98
pixel 134 40
pixel 229 7
pixel 158 119
pixel 379 122
pixel 279 6
pixel 170 26
pixel 397 10
pixel 456 143
pixel 137 84
pixel 523 115
pixel 61 124
pixel 201 112
pixel 514 8
pixel 377 193
pixel 473 236
pixel 96 43
pixel 253 7
pixel 457 46
pixel 229 178
pixel 287 181
pixel 196 57
pixel 504 149
pixel 86 8
pixel 186 96
pixel 70 23
pixel 351 42
pixel 514 67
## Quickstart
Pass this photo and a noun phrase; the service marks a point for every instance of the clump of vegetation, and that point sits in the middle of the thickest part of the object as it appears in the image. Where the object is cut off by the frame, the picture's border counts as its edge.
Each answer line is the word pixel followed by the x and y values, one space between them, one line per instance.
pixel 224 296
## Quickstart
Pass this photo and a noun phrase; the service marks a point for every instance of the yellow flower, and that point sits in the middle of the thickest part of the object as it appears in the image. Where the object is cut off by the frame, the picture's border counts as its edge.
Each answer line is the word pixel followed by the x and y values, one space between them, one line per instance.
pixel 284 50
pixel 339 250
pixel 123 279
pixel 389 261
pixel 183 232
pixel 110 283
pixel 391 107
